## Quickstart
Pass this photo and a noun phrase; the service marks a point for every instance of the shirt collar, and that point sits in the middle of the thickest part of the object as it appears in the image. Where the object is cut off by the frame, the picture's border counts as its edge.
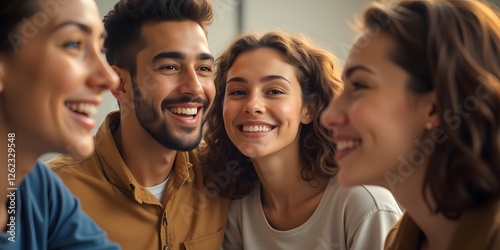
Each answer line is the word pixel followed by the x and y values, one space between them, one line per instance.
pixel 117 172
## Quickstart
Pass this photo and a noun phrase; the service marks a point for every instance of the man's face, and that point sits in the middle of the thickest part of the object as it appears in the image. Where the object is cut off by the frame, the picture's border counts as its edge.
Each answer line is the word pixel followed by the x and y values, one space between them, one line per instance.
pixel 173 87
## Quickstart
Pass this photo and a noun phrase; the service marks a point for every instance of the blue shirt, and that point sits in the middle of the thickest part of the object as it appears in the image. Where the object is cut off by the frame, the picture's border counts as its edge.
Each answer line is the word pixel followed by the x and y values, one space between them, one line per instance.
pixel 48 216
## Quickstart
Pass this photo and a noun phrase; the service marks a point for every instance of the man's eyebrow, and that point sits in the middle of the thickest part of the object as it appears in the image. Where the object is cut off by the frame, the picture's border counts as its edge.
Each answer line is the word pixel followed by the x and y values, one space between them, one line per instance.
pixel 205 56
pixel 171 54
pixel 181 56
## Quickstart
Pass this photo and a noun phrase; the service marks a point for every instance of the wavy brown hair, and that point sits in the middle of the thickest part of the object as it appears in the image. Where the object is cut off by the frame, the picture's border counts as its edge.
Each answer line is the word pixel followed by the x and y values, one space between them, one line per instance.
pixel 452 48
pixel 232 173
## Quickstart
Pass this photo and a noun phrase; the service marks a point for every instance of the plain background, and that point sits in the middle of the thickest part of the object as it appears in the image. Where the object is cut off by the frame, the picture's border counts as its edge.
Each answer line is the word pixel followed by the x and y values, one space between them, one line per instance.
pixel 327 22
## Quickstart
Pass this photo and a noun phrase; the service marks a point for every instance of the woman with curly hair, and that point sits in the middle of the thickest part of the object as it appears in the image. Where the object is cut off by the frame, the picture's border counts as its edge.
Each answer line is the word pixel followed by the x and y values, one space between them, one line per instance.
pixel 273 156
pixel 420 115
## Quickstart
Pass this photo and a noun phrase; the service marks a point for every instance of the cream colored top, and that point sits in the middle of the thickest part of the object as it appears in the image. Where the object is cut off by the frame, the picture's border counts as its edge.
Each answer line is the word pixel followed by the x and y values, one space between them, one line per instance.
pixel 346 218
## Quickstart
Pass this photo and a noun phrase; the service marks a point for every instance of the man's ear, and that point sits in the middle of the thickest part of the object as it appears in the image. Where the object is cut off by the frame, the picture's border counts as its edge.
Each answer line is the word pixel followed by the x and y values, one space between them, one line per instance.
pixel 308 113
pixel 121 93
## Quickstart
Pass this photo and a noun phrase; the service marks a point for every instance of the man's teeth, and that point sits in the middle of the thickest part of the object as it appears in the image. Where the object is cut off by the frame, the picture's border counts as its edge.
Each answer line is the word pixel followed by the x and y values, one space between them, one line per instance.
pixel 256 128
pixel 83 108
pixel 347 144
pixel 184 111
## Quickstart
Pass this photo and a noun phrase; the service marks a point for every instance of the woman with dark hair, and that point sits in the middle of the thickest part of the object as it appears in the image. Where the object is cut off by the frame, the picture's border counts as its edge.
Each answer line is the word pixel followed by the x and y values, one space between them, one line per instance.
pixel 52 74
pixel 420 115
pixel 274 157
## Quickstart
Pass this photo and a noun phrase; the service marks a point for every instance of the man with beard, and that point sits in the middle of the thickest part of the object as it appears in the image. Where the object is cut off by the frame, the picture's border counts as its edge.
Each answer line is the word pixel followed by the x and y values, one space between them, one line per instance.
pixel 143 184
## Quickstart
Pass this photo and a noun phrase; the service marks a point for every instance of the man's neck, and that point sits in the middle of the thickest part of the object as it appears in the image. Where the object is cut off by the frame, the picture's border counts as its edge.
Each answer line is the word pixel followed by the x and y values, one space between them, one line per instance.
pixel 149 162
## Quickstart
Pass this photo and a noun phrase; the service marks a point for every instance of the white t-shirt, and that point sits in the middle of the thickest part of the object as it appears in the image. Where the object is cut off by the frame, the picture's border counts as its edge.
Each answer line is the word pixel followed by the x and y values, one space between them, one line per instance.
pixel 346 218
pixel 159 190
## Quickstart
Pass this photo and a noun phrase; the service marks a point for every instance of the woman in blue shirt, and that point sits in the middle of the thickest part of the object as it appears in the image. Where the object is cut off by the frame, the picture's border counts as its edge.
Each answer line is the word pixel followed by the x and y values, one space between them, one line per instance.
pixel 52 74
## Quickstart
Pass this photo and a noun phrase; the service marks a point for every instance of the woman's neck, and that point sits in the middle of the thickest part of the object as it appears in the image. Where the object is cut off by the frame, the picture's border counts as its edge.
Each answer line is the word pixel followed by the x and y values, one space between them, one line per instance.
pixel 287 199
pixel 436 228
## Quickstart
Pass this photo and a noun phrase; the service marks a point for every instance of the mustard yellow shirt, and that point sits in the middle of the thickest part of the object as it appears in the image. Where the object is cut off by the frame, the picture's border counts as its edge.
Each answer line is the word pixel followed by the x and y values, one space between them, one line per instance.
pixel 192 217
pixel 478 229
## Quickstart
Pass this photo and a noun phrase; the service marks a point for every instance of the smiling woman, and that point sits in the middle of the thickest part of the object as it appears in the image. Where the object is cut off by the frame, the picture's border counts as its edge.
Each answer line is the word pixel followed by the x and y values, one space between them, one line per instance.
pixel 274 158
pixel 420 115
pixel 52 74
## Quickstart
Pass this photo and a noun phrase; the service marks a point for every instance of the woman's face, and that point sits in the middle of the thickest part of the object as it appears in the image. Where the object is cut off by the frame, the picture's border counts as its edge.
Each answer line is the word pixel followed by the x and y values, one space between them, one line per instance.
pixel 53 80
pixel 377 122
pixel 263 107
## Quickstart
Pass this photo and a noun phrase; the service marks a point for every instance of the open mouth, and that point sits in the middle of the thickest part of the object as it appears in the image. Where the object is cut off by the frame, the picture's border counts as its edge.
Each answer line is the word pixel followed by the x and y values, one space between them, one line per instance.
pixel 344 145
pixel 255 128
pixel 189 113
pixel 86 109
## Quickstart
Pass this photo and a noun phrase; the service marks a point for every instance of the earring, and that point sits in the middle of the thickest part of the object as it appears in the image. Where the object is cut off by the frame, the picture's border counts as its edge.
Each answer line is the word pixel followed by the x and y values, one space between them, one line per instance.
pixel 428 125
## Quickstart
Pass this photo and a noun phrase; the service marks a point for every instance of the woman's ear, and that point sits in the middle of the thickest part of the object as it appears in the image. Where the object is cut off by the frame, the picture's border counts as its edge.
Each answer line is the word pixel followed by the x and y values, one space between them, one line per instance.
pixel 431 111
pixel 121 93
pixel 308 113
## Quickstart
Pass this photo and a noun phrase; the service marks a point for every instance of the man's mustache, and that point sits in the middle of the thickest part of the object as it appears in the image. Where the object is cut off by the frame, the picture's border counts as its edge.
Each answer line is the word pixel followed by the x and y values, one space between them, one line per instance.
pixel 181 100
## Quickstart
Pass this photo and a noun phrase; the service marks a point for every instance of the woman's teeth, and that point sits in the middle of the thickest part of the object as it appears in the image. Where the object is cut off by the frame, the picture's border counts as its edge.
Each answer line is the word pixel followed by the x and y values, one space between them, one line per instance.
pixel 83 108
pixel 347 144
pixel 256 128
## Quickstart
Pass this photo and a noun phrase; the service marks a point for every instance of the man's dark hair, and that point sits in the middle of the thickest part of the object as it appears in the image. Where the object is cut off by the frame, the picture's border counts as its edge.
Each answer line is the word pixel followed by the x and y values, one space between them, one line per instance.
pixel 123 25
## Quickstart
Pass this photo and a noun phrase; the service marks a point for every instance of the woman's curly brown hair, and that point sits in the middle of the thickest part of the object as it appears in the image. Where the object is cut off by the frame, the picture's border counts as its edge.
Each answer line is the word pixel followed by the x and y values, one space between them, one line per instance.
pixel 231 173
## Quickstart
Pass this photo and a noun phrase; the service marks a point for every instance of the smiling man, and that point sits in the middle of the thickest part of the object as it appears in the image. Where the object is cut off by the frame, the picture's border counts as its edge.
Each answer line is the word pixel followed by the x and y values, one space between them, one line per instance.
pixel 144 185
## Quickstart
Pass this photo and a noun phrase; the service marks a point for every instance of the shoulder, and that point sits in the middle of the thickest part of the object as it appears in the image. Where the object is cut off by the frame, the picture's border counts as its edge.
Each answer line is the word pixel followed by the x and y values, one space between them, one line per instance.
pixel 65 163
pixel 44 186
pixel 41 177
pixel 365 197
pixel 363 204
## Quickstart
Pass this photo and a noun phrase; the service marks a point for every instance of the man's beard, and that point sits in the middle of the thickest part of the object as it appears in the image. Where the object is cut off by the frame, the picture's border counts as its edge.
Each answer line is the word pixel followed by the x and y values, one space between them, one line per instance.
pixel 157 125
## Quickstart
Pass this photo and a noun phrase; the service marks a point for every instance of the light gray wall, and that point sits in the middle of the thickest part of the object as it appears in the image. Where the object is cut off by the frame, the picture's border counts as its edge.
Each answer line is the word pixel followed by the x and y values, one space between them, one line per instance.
pixel 327 22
